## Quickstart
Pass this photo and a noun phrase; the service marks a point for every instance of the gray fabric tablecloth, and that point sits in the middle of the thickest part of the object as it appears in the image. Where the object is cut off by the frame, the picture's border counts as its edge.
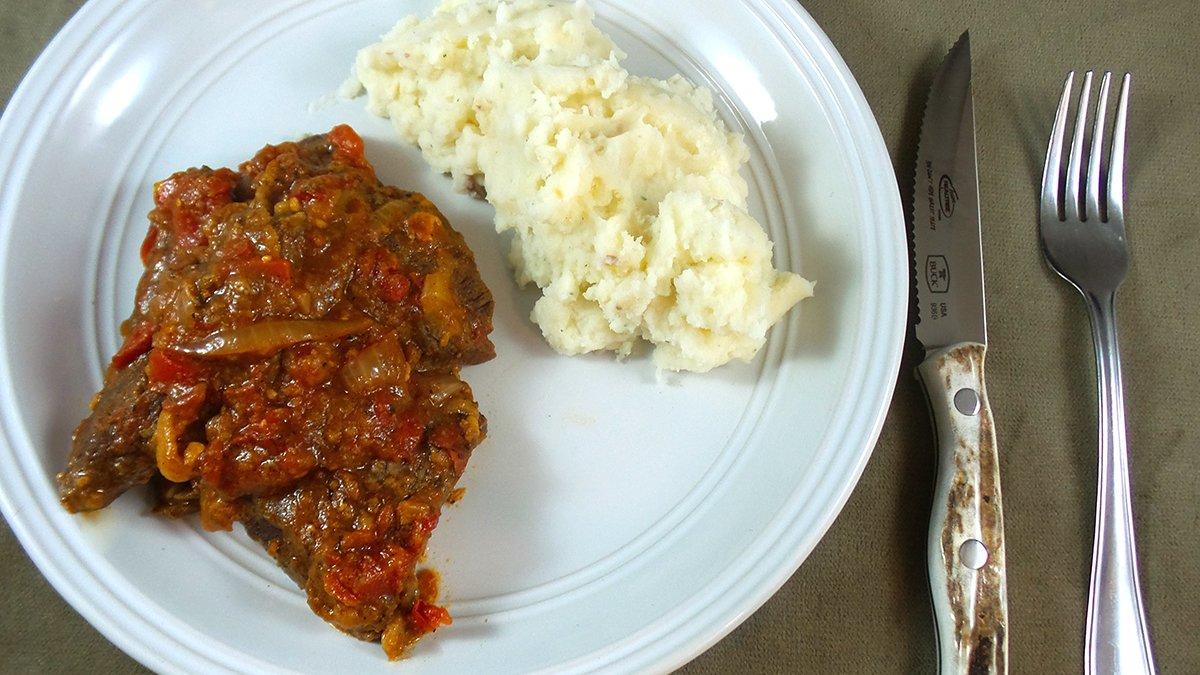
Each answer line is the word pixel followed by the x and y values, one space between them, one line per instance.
pixel 859 604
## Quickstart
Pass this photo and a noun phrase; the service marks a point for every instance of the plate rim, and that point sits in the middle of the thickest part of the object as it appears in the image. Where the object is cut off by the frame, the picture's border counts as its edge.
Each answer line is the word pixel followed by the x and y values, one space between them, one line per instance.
pixel 872 160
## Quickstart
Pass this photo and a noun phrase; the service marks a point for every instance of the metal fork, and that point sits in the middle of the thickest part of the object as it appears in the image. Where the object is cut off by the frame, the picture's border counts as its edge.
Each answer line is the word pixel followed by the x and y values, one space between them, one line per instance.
pixel 1083 238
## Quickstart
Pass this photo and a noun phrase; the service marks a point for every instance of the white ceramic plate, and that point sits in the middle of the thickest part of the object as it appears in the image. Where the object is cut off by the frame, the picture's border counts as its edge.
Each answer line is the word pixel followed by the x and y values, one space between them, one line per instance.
pixel 612 521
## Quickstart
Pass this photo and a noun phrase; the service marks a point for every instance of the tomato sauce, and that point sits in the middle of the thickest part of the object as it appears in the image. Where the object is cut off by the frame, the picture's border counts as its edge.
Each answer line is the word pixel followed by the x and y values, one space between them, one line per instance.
pixel 292 364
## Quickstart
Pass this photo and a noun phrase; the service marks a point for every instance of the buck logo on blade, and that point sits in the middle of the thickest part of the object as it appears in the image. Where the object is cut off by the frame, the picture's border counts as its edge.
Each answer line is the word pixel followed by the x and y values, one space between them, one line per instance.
pixel 937 273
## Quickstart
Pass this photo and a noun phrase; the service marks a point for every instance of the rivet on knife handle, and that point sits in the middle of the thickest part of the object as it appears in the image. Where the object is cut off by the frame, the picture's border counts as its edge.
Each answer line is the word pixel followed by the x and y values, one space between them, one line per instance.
pixel 966 531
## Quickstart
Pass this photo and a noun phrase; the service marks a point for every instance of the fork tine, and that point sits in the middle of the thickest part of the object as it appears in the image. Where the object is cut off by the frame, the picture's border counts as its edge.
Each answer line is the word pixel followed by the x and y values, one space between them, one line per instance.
pixel 1052 173
pixel 1074 201
pixel 1093 171
pixel 1116 168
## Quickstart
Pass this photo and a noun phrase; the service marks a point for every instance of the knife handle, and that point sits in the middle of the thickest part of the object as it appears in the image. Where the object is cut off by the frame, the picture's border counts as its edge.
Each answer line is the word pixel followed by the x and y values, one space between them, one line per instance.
pixel 966 530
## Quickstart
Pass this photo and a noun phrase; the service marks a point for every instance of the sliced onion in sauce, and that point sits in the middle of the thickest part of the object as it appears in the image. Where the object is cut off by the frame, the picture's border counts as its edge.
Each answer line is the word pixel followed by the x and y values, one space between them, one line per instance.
pixel 303 300
pixel 382 364
pixel 183 305
pixel 268 337
pixel 442 387
pixel 171 465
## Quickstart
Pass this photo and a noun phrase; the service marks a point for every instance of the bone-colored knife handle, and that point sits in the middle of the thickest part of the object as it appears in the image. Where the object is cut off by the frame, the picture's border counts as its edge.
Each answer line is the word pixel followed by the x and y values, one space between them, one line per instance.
pixel 966 531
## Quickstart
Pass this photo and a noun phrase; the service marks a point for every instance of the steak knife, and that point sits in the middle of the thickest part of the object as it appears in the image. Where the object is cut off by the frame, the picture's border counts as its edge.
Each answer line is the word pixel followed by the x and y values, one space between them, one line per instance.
pixel 966 530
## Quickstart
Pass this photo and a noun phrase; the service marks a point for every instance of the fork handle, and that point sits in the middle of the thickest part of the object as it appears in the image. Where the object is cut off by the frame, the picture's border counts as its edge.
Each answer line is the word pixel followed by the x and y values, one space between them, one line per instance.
pixel 1118 636
pixel 966 527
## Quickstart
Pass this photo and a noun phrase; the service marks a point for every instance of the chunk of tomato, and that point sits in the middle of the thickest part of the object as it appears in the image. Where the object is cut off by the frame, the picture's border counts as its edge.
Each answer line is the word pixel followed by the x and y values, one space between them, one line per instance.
pixel 276 269
pixel 137 342
pixel 347 145
pixel 148 243
pixel 167 366
pixel 426 617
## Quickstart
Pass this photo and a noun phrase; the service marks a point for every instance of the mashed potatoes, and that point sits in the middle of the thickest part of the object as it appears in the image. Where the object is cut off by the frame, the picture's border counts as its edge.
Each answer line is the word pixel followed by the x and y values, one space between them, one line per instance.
pixel 622 192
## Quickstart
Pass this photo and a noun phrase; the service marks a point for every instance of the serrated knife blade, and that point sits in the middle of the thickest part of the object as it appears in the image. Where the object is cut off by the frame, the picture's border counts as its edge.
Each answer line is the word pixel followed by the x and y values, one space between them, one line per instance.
pixel 966 530
pixel 946 242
